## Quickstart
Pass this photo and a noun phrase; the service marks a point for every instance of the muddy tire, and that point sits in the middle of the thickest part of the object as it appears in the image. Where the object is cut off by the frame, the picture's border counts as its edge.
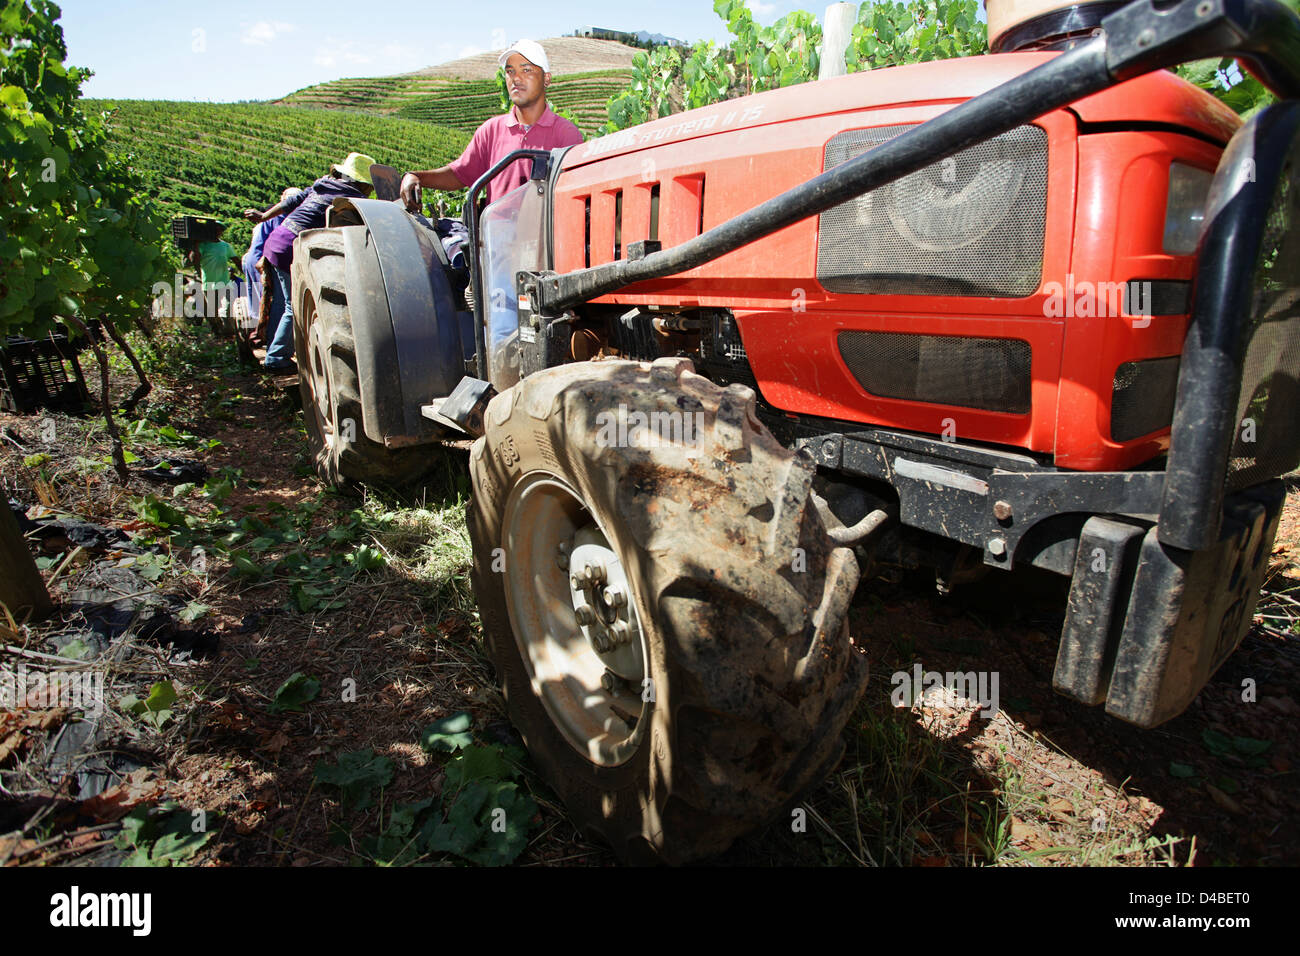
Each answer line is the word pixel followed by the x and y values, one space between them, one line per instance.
pixel 714 691
pixel 325 351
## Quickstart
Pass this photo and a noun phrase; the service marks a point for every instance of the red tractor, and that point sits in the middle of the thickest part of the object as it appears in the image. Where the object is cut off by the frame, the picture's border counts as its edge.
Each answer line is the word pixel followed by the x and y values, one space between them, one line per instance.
pixel 1037 308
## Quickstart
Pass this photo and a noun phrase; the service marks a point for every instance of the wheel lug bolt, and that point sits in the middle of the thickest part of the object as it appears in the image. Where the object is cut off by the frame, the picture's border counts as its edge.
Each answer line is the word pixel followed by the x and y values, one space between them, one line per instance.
pixel 576 581
pixel 614 597
pixel 584 616
pixel 608 680
pixel 621 634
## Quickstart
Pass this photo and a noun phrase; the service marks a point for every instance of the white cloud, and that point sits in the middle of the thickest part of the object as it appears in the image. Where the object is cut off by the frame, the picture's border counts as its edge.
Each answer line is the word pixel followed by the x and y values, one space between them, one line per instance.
pixel 399 56
pixel 391 57
pixel 265 31
pixel 470 50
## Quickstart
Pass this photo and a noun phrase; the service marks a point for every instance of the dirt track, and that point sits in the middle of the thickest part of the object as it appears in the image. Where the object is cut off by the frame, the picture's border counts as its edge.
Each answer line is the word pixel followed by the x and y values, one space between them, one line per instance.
pixel 1044 781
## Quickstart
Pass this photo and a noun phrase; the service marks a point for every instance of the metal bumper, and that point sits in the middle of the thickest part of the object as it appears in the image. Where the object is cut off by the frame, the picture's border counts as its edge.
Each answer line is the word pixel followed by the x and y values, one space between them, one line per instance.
pixel 1148 624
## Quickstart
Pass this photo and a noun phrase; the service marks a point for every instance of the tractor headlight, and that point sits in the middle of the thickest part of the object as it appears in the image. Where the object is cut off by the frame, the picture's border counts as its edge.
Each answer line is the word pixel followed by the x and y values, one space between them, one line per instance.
pixel 957 206
pixel 971 224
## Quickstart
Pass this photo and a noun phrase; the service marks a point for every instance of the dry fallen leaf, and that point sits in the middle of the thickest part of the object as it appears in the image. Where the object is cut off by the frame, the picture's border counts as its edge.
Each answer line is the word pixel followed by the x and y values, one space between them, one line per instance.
pixel 15 725
pixel 51 718
pixel 1022 832
pixel 139 786
pixel 10 743
pixel 275 743
pixel 1222 799
pixel 230 715
pixel 13 846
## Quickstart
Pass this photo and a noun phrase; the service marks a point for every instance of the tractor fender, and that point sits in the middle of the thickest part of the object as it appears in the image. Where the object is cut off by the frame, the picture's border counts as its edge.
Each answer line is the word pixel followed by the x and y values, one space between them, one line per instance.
pixel 409 335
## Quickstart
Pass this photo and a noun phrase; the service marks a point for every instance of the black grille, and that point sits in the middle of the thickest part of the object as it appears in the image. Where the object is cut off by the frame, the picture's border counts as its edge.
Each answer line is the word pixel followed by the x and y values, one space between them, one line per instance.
pixel 989 374
pixel 1267 443
pixel 969 225
pixel 723 356
pixel 1142 398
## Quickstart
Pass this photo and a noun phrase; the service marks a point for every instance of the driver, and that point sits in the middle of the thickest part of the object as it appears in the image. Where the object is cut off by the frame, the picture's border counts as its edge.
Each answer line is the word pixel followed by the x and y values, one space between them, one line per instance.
pixel 530 124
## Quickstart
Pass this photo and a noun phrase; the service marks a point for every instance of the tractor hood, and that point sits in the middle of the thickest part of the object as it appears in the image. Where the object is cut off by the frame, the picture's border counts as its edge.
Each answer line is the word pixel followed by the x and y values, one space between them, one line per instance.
pixel 1157 98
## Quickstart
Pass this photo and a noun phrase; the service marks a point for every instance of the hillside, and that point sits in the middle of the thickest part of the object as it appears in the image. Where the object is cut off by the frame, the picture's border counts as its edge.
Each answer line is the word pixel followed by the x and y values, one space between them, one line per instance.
pixel 465 104
pixel 463 93
pixel 217 159
pixel 462 104
pixel 567 55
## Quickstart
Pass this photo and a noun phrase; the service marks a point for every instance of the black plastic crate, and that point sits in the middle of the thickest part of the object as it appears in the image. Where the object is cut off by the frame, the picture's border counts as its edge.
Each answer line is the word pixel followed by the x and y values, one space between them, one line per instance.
pixel 34 374
pixel 187 230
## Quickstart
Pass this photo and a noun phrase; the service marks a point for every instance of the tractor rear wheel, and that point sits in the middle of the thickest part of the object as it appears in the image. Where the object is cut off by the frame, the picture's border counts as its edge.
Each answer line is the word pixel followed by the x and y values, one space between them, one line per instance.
pixel 666 615
pixel 325 350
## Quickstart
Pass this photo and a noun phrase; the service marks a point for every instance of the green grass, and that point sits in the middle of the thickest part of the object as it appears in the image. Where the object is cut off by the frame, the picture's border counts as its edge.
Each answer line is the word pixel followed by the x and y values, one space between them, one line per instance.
pixel 426 541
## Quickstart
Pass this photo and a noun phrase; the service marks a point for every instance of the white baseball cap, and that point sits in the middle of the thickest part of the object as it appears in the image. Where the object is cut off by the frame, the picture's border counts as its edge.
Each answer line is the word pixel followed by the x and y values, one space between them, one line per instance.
pixel 531 51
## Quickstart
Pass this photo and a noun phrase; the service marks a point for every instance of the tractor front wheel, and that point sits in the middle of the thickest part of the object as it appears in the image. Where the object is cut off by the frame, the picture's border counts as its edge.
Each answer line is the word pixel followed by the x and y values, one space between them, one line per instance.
pixel 664 610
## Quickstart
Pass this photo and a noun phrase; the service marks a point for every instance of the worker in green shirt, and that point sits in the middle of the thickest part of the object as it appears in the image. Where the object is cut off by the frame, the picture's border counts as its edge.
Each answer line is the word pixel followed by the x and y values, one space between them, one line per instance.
pixel 212 259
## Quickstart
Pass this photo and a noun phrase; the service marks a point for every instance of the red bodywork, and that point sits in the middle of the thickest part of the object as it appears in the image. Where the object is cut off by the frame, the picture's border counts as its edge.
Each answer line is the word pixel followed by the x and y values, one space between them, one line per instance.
pixel 1105 214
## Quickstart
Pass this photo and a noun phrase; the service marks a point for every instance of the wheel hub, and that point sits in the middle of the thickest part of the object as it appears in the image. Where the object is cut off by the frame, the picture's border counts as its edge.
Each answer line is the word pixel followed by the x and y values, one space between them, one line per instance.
pixel 575 622
pixel 598 589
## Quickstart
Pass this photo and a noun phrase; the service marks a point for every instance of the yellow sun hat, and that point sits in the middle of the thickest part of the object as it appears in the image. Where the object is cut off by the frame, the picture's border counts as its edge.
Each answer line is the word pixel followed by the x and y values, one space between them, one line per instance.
pixel 356 166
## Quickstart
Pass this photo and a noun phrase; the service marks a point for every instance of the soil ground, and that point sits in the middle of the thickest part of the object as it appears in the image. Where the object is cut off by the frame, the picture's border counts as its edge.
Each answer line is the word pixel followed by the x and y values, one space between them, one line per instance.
pixel 393 642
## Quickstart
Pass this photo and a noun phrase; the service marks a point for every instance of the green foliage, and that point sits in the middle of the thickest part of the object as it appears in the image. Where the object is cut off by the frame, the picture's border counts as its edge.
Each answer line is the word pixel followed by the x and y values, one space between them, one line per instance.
pixel 144 431
pixel 483 816
pixel 355 776
pixel 708 75
pixel 156 708
pixel 295 694
pixel 1248 750
pixel 1242 92
pixel 503 91
pixel 154 510
pixel 789 52
pixel 80 237
pixel 160 836
pixel 892 34
pixel 767 58
pixel 447 735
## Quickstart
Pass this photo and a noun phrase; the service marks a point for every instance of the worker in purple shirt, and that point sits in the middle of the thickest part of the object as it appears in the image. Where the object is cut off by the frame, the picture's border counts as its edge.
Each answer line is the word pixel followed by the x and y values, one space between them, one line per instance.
pixel 306 210
pixel 252 277
pixel 530 124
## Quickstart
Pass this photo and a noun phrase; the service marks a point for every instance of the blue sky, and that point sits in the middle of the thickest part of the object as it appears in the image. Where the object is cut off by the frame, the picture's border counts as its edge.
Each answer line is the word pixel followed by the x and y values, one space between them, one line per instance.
pixel 222 52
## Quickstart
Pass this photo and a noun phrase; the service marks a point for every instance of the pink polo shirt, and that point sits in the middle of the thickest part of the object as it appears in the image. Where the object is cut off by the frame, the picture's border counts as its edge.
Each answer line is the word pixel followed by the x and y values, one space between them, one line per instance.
pixel 503 134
